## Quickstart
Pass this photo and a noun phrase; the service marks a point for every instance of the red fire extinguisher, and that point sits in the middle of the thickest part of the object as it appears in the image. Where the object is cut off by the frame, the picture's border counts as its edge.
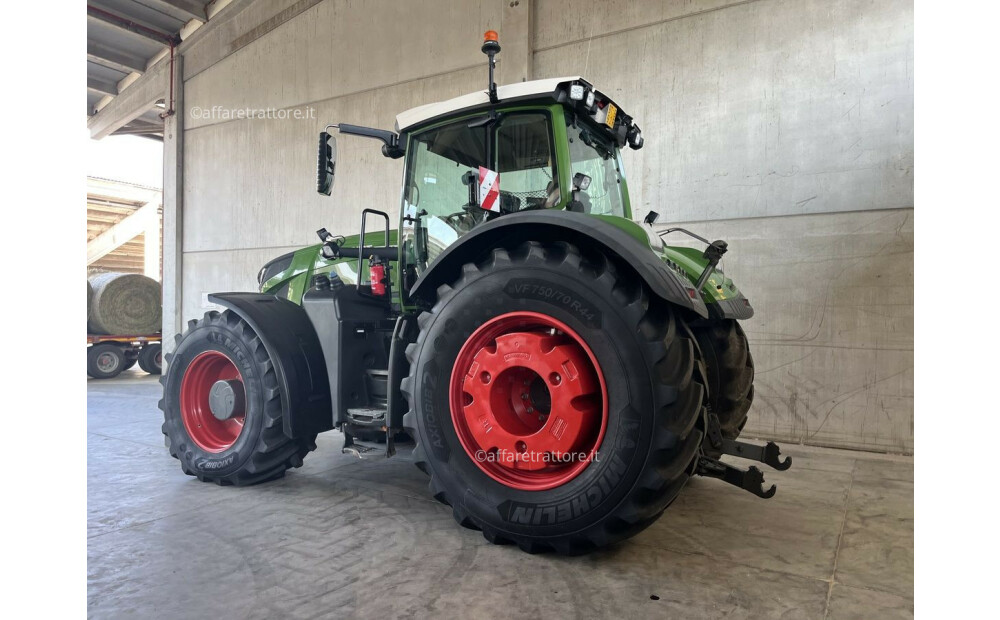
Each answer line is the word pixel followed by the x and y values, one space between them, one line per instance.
pixel 376 273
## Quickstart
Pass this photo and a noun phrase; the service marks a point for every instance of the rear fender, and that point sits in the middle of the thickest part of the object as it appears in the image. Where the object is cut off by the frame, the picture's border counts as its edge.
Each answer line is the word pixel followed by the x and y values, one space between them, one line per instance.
pixel 295 351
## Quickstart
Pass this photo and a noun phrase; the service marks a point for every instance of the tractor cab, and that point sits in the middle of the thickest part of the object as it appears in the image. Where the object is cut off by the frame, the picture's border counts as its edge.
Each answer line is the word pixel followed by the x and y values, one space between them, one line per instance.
pixel 551 144
pixel 546 144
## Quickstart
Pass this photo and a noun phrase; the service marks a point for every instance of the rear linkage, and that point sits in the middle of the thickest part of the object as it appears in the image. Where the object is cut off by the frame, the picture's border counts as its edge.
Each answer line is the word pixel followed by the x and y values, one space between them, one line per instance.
pixel 751 479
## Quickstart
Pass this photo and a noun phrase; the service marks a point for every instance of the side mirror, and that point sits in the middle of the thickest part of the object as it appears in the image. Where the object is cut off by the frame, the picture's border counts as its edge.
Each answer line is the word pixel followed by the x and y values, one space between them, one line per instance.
pixel 326 163
pixel 579 203
pixel 650 218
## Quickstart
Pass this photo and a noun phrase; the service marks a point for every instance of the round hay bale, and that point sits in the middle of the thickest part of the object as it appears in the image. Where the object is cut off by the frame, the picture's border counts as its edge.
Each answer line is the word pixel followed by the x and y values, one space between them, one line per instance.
pixel 125 303
pixel 90 299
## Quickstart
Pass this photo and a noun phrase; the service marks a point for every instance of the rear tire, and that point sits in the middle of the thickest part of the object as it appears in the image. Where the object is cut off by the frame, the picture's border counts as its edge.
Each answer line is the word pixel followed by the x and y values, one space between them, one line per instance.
pixel 248 447
pixel 105 361
pixel 730 368
pixel 652 390
pixel 151 358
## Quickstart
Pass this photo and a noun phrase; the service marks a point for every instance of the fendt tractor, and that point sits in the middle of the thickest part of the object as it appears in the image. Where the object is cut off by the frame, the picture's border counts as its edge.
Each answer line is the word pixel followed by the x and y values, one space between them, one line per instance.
pixel 559 371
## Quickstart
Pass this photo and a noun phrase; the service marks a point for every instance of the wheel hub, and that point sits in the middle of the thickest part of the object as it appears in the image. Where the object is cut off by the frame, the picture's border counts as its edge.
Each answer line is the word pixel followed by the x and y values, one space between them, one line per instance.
pixel 107 362
pixel 213 401
pixel 225 399
pixel 528 401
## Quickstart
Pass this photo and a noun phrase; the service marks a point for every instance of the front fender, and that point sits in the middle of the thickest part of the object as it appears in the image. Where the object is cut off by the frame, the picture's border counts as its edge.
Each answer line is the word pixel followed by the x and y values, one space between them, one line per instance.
pixel 576 228
pixel 295 351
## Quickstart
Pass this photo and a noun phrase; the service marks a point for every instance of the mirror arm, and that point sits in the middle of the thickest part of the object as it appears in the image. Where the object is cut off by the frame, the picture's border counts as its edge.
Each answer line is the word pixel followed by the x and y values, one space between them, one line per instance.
pixel 390 140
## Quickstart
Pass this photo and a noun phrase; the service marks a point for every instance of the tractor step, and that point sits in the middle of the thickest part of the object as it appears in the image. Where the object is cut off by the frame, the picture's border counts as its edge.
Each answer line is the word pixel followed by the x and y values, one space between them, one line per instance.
pixel 367 449
pixel 367 416
pixel 751 479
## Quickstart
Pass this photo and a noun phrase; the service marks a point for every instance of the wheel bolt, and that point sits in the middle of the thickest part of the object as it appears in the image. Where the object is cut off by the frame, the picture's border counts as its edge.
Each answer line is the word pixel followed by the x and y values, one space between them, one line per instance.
pixel 485 377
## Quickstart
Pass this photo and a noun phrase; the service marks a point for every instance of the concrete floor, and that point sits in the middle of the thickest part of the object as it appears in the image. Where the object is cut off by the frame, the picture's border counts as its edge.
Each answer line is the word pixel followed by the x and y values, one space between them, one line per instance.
pixel 345 538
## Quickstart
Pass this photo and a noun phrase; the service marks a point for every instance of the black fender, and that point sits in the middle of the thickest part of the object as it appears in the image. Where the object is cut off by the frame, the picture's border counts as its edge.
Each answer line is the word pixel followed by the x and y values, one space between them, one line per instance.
pixel 291 342
pixel 576 228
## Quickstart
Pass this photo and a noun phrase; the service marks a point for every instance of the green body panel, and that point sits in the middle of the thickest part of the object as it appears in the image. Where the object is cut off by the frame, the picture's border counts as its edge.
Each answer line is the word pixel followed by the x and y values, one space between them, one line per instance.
pixel 716 288
pixel 308 261
pixel 689 261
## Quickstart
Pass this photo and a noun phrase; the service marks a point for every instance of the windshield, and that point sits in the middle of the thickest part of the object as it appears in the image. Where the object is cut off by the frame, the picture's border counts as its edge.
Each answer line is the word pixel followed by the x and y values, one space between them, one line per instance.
pixel 440 188
pixel 441 192
pixel 594 155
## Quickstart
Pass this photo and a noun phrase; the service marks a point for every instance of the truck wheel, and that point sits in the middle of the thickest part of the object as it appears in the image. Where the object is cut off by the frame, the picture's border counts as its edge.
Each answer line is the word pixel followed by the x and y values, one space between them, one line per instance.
pixel 105 361
pixel 151 358
pixel 222 405
pixel 729 365
pixel 555 403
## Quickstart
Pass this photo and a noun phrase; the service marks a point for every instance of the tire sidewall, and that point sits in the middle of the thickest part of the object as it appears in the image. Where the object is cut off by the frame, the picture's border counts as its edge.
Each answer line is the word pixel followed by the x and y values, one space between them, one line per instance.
pixel 609 330
pixel 147 358
pixel 97 351
pixel 213 337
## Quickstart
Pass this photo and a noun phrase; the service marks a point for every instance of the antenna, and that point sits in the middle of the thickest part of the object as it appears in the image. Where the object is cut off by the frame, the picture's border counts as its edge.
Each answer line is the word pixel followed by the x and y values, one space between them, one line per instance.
pixel 491 47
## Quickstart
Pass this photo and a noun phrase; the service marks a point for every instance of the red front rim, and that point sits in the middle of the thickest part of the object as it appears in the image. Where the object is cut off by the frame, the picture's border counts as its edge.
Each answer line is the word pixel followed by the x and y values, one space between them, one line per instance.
pixel 528 401
pixel 208 432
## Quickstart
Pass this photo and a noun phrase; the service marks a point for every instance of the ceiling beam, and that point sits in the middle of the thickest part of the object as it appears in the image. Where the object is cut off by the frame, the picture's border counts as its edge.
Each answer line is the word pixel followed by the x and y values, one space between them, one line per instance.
pixel 101 86
pixel 139 97
pixel 114 59
pixel 190 9
pixel 128 130
pixel 126 26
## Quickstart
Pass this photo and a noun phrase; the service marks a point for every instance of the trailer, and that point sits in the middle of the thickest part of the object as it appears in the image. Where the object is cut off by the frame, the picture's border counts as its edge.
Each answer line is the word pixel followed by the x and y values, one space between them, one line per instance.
pixel 109 355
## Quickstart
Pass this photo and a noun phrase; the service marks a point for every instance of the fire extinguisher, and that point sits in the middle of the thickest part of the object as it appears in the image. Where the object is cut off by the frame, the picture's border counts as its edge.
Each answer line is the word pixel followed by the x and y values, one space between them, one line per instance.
pixel 376 273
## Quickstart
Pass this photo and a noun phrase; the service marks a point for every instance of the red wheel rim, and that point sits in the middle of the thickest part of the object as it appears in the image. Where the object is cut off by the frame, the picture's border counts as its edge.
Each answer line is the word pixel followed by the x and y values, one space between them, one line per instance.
pixel 207 431
pixel 528 401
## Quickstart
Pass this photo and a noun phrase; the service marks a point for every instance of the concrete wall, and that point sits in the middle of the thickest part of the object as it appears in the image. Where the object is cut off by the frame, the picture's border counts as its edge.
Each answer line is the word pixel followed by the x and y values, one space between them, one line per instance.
pixel 783 126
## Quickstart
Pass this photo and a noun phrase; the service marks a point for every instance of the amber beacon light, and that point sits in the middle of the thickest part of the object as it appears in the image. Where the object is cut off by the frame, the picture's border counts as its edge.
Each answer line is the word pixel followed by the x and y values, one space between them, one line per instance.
pixel 491 46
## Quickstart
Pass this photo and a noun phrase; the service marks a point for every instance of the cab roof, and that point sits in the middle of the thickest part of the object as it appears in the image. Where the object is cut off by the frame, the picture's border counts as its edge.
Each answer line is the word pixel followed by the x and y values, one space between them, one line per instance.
pixel 519 90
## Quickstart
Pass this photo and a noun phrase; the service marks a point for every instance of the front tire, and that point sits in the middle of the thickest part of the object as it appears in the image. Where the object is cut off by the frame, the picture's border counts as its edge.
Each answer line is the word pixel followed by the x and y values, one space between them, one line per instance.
pixel 222 405
pixel 535 318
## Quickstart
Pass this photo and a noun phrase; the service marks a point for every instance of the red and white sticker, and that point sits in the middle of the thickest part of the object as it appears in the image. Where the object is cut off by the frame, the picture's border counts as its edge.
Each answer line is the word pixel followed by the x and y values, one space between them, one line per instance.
pixel 489 189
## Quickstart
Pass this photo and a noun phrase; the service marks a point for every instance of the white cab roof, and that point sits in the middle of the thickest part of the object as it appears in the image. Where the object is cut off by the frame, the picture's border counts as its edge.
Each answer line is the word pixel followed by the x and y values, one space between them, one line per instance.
pixel 414 116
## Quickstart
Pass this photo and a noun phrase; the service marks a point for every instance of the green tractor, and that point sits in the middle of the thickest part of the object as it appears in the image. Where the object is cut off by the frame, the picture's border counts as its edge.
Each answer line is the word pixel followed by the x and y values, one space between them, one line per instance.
pixel 559 371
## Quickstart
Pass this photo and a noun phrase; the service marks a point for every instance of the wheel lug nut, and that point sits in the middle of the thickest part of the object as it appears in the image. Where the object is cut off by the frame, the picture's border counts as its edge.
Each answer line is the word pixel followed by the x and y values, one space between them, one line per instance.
pixel 485 377
pixel 524 396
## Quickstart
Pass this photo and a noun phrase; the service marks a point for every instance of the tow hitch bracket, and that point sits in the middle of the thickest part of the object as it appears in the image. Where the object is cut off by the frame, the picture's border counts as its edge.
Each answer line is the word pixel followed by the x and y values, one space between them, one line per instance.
pixel 751 479
pixel 768 454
